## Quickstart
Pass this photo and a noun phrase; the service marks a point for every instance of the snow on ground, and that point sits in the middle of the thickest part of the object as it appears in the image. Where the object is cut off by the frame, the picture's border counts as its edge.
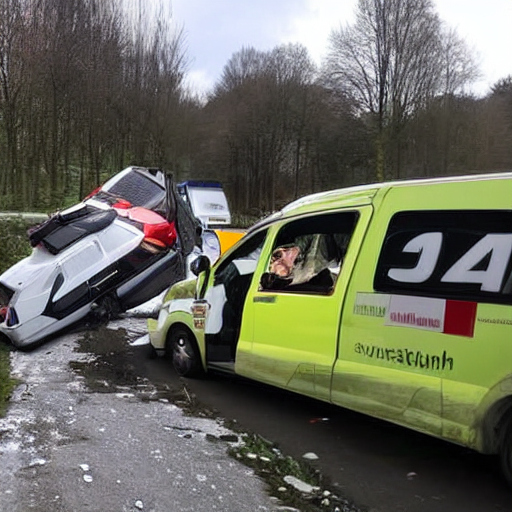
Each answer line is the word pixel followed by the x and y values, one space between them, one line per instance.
pixel 149 308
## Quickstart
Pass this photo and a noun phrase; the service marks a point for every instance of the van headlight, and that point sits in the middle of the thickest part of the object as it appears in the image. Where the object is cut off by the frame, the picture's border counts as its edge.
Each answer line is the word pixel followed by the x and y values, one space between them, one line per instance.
pixel 211 245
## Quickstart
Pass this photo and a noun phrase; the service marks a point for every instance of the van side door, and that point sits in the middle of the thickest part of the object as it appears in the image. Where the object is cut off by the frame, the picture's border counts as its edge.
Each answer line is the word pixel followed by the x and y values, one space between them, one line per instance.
pixel 296 315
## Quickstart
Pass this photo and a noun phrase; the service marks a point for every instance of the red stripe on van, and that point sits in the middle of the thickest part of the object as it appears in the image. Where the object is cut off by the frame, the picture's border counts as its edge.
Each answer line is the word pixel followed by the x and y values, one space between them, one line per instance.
pixel 459 318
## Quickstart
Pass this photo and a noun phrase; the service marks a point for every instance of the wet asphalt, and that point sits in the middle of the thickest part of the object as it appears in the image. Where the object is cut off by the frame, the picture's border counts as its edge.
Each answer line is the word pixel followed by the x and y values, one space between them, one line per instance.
pixel 84 433
pixel 95 425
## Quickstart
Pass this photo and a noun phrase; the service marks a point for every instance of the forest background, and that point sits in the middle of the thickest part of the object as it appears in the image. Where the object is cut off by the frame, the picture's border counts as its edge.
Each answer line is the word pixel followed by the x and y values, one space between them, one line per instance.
pixel 88 88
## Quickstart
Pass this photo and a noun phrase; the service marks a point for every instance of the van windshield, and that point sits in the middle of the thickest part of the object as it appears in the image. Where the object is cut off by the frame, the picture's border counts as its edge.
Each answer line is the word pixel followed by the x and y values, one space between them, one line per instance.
pixel 208 202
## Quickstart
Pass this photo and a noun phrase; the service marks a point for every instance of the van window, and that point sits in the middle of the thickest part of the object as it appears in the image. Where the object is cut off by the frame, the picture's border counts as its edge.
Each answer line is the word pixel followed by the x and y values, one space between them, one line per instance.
pixel 463 255
pixel 249 252
pixel 308 253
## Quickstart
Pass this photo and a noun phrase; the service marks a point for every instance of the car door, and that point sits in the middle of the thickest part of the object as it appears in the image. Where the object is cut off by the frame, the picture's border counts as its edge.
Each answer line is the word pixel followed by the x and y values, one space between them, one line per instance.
pixel 296 317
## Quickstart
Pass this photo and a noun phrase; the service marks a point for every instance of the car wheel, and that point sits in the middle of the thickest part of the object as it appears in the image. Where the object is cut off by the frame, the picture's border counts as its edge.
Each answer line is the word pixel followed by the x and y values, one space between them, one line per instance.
pixel 506 451
pixel 106 308
pixel 184 354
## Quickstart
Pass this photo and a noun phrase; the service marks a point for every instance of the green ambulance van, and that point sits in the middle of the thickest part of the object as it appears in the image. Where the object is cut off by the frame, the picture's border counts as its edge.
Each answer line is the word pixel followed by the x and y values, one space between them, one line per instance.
pixel 393 299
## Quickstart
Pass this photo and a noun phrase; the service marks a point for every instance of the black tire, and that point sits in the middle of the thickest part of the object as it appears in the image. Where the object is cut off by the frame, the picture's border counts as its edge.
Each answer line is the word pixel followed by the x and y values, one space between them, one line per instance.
pixel 105 309
pixel 506 451
pixel 183 352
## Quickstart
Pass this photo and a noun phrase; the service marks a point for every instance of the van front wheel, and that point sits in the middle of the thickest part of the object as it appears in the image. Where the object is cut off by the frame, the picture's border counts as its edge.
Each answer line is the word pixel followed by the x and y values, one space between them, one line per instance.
pixel 184 354
pixel 506 452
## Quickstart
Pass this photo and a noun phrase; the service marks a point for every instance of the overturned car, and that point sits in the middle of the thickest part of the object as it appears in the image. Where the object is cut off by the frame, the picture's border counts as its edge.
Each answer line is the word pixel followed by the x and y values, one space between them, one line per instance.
pixel 125 243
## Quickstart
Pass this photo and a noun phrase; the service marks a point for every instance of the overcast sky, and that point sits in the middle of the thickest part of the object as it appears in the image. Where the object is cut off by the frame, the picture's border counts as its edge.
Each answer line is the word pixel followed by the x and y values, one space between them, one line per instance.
pixel 215 29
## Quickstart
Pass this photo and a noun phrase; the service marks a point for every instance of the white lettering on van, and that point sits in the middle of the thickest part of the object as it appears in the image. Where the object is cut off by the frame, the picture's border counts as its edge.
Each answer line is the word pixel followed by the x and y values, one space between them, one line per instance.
pixel 499 246
pixel 428 246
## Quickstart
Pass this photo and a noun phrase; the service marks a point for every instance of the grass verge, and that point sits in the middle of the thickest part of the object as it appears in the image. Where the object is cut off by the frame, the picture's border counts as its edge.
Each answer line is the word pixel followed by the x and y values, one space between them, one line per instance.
pixel 14 246
pixel 7 383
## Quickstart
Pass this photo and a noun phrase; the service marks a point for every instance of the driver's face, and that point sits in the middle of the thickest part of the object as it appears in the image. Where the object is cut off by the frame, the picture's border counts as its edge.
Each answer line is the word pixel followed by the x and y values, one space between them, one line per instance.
pixel 282 260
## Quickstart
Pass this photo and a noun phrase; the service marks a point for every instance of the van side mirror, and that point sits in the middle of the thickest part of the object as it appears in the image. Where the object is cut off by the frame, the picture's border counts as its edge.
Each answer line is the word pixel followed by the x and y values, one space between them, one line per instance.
pixel 200 264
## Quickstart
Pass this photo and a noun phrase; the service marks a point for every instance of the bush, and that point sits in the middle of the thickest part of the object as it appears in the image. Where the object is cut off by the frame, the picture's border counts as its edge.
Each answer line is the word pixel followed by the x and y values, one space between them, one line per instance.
pixel 14 243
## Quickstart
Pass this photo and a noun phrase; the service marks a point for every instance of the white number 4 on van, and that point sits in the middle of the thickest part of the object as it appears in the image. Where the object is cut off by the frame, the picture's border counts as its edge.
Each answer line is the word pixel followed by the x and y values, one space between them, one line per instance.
pixel 428 246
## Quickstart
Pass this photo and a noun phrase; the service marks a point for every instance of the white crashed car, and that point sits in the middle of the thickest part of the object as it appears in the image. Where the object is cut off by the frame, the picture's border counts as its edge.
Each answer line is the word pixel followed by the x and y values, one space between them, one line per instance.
pixel 123 245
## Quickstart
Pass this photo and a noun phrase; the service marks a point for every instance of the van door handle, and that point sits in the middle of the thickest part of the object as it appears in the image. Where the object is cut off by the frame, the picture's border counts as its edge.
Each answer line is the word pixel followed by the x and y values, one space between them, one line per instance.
pixel 269 299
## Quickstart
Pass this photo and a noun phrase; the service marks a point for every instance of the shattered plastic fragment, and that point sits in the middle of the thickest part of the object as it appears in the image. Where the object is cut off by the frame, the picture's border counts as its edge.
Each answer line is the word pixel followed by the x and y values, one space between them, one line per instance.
pixel 37 462
pixel 310 456
pixel 139 504
pixel 318 420
pixel 144 340
pixel 411 475
pixel 84 467
pixel 298 484
pixel 88 478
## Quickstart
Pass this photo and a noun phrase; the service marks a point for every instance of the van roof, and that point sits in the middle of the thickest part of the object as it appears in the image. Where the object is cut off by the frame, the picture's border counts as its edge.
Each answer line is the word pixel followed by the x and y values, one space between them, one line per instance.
pixel 201 183
pixel 365 194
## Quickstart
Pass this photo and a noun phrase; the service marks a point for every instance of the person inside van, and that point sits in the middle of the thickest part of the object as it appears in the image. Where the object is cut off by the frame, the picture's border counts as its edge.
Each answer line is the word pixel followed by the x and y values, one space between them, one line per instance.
pixel 300 266
pixel 283 260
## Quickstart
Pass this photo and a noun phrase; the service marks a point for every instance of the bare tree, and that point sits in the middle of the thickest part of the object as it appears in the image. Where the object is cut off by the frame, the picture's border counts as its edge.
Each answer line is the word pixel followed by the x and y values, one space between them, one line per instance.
pixel 458 66
pixel 11 80
pixel 389 62
pixel 264 98
pixel 498 121
pixel 83 92
pixel 90 86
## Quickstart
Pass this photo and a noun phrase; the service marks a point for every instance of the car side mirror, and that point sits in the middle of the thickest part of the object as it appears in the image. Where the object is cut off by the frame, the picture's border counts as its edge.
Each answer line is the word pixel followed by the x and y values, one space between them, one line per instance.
pixel 200 264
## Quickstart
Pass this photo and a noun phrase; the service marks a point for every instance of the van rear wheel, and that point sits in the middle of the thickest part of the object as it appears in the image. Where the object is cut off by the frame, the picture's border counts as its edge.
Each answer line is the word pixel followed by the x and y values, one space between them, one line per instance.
pixel 184 354
pixel 506 452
